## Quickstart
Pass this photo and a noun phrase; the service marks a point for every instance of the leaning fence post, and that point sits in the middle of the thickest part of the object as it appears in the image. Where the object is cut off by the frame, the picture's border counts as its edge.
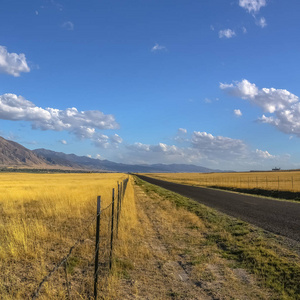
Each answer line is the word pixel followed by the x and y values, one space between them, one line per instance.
pixel 112 228
pixel 97 246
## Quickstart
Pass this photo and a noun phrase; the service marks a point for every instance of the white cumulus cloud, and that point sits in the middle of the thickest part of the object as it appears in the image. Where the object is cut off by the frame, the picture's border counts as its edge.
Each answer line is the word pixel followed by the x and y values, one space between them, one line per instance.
pixel 101 140
pixel 116 139
pixel 217 146
pixel 201 148
pixel 237 112
pixel 252 6
pixel 12 63
pixel 81 123
pixel 264 154
pixel 261 22
pixel 226 33
pixel 281 106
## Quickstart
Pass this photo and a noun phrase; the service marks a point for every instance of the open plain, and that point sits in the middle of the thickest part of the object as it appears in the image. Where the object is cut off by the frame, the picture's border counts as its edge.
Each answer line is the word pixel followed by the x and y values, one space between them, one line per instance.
pixel 167 246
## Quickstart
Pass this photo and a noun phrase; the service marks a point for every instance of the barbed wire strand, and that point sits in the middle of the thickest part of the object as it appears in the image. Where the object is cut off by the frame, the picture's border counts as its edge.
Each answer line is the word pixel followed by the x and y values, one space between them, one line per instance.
pixel 57 266
pixel 79 241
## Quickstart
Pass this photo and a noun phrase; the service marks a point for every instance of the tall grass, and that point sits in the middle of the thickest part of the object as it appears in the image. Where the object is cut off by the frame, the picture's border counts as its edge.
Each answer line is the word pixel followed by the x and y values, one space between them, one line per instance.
pixel 41 216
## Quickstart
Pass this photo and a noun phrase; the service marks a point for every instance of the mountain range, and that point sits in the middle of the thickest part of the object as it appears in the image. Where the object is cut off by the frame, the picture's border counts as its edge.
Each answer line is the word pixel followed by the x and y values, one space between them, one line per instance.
pixel 14 155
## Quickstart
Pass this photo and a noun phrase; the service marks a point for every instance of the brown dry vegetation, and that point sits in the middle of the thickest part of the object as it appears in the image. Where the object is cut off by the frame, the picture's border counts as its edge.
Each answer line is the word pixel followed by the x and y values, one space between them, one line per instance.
pixel 41 217
pixel 282 181
pixel 163 251
pixel 171 259
pixel 226 258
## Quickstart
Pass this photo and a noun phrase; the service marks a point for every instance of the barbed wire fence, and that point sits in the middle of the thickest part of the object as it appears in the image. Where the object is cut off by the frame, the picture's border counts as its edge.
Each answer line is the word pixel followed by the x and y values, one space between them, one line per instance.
pixel 103 247
pixel 283 182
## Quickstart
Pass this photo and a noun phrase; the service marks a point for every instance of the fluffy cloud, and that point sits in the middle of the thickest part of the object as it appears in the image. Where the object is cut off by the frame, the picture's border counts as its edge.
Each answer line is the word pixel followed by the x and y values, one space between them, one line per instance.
pixel 218 146
pixel 252 6
pixel 12 63
pixel 226 33
pixel 182 131
pixel 261 22
pixel 104 141
pixel 159 148
pixel 64 142
pixel 201 148
pixel 116 139
pixel 163 153
pixel 282 107
pixel 237 112
pixel 101 140
pixel 181 135
pixel 158 47
pixel 81 123
pixel 264 154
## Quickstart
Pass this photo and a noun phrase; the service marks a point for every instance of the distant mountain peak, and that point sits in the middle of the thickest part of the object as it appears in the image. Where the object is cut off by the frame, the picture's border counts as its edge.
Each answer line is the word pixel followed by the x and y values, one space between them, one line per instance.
pixel 13 154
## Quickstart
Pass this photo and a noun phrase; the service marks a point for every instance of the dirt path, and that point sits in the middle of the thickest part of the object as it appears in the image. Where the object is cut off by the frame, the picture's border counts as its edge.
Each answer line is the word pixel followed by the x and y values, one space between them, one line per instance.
pixel 279 217
pixel 163 275
pixel 174 262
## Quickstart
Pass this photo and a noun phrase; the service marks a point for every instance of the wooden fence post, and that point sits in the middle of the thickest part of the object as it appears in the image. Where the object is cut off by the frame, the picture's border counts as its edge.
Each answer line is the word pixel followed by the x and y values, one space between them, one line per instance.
pixel 121 195
pixel 118 209
pixel 112 228
pixel 97 246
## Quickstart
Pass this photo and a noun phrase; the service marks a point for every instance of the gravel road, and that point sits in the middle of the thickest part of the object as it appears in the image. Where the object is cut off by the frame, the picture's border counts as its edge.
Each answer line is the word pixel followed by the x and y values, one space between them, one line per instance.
pixel 280 217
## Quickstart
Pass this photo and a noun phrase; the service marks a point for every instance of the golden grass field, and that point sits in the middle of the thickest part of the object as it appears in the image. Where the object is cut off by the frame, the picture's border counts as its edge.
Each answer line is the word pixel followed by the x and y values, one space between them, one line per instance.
pixel 41 216
pixel 283 181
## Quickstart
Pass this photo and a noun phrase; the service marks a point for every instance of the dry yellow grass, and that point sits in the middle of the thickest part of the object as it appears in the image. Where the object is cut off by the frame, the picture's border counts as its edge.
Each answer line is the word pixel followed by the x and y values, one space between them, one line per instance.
pixel 41 216
pixel 283 181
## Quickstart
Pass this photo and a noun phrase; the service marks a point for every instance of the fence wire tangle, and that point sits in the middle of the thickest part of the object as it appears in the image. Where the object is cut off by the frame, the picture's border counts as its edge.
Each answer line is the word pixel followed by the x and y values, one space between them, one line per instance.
pixel 97 267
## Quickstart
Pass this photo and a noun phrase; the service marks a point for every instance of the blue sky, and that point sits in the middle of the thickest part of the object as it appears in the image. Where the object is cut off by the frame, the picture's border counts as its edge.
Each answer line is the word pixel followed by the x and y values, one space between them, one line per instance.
pixel 212 83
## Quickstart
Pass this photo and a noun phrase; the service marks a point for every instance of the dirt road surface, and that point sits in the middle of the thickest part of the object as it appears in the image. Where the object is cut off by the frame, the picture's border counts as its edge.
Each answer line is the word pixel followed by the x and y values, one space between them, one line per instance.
pixel 279 217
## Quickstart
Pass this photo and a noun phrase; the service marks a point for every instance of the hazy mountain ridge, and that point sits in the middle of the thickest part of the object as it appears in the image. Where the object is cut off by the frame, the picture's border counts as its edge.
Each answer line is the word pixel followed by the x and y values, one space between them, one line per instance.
pixel 85 162
pixel 14 155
